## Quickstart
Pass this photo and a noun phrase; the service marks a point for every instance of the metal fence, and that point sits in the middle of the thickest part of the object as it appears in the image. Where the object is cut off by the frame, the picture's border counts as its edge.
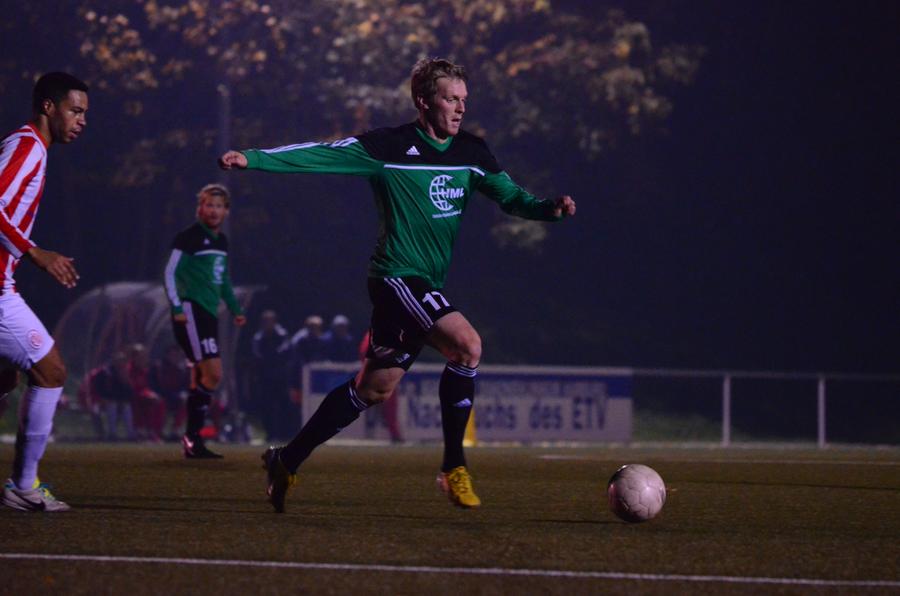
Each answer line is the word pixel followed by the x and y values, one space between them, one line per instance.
pixel 821 380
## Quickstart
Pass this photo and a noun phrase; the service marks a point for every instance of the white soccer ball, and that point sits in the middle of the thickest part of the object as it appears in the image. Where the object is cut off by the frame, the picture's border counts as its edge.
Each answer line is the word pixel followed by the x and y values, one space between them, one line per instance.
pixel 636 493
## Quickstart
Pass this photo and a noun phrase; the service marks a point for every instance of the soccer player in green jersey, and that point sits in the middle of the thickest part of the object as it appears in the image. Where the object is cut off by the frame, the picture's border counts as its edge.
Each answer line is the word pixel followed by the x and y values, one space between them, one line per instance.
pixel 423 175
pixel 197 278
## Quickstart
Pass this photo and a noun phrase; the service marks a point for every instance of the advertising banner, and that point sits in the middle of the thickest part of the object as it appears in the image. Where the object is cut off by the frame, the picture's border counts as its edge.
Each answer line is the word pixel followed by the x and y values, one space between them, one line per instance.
pixel 512 403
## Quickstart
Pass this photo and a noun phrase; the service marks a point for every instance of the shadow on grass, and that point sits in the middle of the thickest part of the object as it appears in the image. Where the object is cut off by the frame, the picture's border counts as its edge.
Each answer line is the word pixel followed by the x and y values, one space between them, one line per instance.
pixel 150 508
pixel 212 465
pixel 388 516
pixel 792 485
pixel 590 522
pixel 170 504
pixel 311 510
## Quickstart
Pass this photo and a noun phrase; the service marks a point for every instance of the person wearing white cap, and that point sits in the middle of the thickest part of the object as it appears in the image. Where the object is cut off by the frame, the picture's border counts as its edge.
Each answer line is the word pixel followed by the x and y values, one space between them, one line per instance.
pixel 340 344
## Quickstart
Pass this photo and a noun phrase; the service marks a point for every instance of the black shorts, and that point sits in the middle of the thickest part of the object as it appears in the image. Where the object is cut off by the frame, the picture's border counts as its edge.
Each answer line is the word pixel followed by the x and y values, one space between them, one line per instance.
pixel 199 336
pixel 404 309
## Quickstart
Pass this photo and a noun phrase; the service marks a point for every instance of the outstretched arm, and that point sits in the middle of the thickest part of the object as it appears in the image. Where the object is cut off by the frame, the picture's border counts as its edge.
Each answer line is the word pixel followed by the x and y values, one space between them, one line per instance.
pixel 347 156
pixel 515 200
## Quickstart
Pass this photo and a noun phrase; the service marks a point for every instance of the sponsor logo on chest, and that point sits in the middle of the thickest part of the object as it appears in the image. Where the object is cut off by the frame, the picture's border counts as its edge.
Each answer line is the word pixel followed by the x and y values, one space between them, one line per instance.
pixel 442 195
pixel 219 270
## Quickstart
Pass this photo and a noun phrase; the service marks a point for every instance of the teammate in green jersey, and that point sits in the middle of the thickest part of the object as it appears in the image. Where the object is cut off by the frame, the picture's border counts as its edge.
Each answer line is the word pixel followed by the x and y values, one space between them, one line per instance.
pixel 423 175
pixel 197 279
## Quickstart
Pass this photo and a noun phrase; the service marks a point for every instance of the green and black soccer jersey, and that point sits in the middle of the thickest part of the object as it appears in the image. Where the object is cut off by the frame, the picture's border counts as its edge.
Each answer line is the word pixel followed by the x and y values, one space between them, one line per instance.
pixel 421 188
pixel 198 271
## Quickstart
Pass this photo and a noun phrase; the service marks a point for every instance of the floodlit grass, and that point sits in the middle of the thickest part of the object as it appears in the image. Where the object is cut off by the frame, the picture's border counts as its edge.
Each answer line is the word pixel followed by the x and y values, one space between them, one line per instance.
pixel 748 513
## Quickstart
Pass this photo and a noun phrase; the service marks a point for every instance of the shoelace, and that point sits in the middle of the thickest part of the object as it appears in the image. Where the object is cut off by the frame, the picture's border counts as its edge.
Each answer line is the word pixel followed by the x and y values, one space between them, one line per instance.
pixel 461 481
pixel 44 489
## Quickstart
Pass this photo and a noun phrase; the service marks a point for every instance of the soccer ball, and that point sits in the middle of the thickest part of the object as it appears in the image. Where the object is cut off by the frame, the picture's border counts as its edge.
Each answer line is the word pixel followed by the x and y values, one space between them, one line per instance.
pixel 636 493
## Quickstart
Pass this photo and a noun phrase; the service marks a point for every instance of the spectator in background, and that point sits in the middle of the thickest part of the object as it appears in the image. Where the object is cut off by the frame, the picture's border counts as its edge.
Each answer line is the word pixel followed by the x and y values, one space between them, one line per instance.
pixel 150 409
pixel 307 345
pixel 340 345
pixel 308 342
pixel 88 400
pixel 271 350
pixel 111 386
pixel 170 378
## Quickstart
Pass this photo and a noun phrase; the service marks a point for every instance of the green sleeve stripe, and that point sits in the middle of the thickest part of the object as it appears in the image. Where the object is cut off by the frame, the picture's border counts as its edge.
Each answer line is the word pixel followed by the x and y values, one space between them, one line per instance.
pixel 341 157
pixel 284 148
pixel 337 144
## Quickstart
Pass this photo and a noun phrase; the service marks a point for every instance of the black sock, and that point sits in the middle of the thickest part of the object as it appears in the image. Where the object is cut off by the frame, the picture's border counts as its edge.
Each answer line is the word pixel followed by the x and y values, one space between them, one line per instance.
pixel 457 391
pixel 337 411
pixel 197 405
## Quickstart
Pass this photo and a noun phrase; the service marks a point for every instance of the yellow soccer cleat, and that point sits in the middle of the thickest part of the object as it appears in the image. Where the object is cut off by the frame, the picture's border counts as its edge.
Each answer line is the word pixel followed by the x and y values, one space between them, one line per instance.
pixel 457 485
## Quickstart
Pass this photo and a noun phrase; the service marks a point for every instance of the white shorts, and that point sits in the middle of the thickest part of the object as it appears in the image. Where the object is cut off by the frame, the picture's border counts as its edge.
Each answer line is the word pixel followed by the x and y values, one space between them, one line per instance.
pixel 23 338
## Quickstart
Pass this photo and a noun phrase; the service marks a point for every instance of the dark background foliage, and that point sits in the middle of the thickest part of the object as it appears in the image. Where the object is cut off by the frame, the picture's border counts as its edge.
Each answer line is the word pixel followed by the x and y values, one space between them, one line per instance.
pixel 734 164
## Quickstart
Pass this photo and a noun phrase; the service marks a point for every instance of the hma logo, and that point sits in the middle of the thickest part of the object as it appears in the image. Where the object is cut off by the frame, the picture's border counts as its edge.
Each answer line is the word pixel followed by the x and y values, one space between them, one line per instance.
pixel 219 270
pixel 440 195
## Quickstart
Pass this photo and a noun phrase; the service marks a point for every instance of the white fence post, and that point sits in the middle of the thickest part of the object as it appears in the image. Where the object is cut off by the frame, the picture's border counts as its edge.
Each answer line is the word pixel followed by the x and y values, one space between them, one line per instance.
pixel 821 413
pixel 726 411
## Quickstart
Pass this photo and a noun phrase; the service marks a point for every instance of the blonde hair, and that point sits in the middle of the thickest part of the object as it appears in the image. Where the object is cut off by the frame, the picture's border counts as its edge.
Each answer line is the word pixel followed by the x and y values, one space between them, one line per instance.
pixel 425 75
pixel 215 190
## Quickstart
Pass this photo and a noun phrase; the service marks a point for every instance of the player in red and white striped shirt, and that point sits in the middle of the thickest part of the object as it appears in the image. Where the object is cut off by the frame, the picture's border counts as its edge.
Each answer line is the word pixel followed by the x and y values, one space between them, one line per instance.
pixel 59 105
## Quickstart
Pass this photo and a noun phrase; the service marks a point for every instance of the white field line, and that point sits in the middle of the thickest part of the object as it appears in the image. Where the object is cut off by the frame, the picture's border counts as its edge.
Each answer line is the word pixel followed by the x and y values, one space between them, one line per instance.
pixel 498 571
pixel 701 460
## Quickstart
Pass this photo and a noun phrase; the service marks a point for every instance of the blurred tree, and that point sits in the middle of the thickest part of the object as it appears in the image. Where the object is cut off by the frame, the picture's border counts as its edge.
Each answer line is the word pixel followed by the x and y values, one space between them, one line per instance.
pixel 541 76
pixel 552 90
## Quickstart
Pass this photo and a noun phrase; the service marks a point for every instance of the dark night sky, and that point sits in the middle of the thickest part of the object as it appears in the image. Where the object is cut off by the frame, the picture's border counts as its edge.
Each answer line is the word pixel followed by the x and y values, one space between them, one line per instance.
pixel 797 160
pixel 759 231
pixel 769 232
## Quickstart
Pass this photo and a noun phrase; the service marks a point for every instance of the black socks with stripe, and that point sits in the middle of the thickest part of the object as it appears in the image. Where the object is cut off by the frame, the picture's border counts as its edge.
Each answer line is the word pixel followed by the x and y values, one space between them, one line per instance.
pixel 457 391
pixel 342 406
pixel 338 410
pixel 197 405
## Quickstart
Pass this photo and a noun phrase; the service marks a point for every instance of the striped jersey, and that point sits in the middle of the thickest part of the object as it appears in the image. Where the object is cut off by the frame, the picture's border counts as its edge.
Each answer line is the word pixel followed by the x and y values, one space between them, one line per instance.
pixel 421 188
pixel 23 163
pixel 198 271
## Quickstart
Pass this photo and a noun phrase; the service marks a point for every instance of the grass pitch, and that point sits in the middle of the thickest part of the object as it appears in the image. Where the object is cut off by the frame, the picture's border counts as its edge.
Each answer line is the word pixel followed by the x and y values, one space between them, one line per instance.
pixel 369 520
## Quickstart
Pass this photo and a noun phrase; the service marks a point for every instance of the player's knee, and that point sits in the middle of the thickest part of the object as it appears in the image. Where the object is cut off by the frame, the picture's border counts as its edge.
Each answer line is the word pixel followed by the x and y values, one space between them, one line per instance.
pixel 211 379
pixel 468 349
pixel 373 394
pixel 376 388
pixel 209 373
pixel 49 372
